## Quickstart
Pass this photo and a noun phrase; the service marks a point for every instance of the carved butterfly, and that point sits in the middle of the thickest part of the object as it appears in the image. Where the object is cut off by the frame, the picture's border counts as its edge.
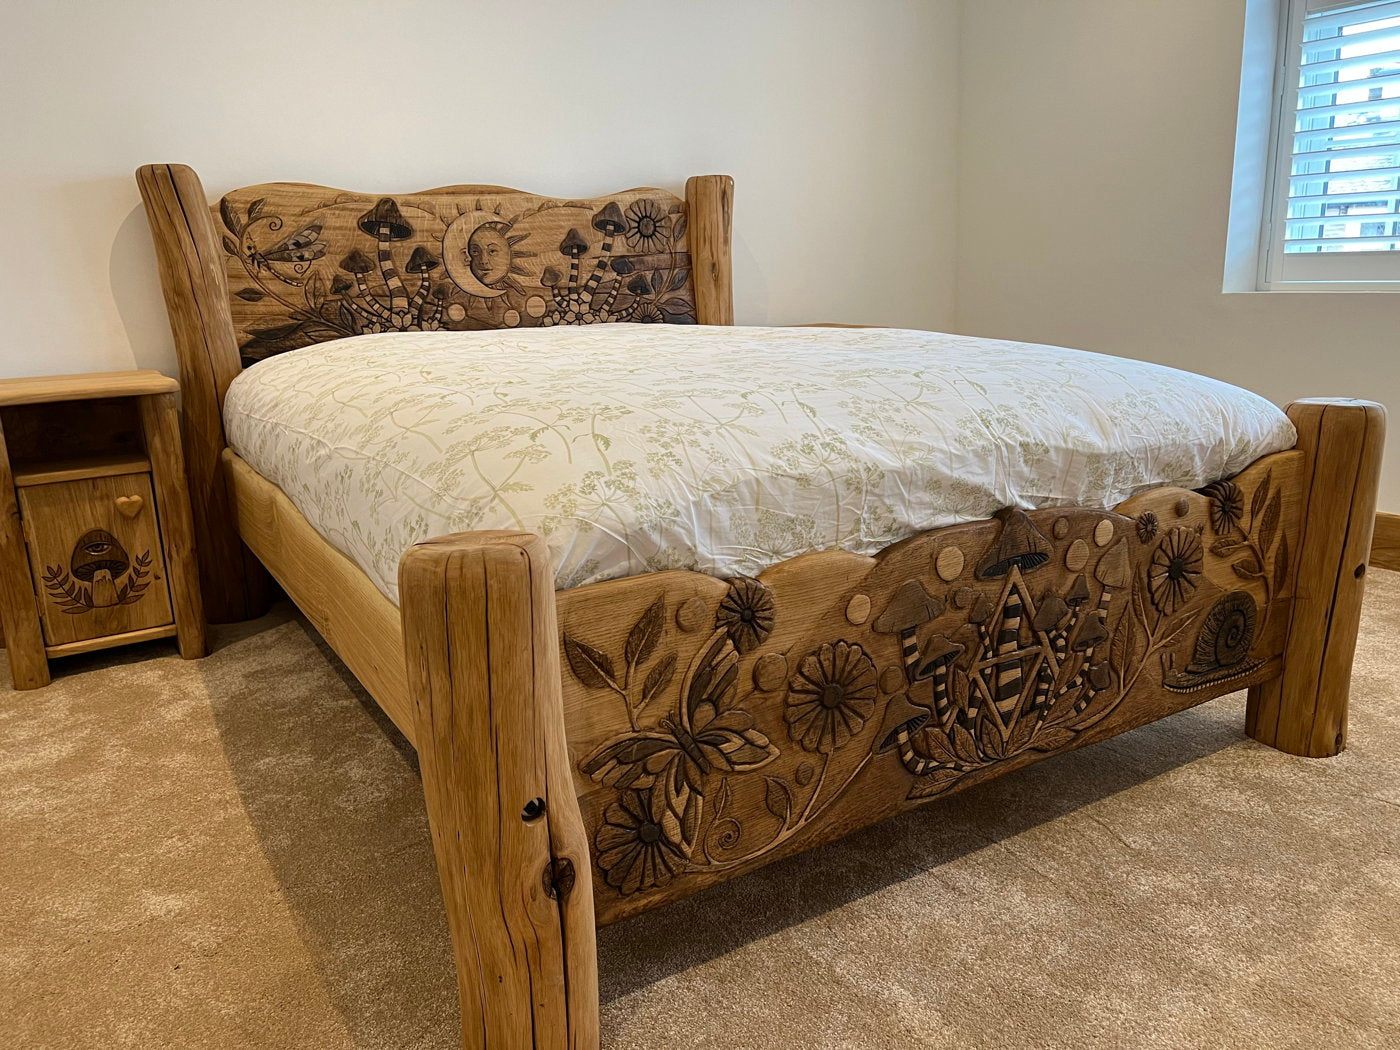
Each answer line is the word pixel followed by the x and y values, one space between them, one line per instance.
pixel 304 246
pixel 703 737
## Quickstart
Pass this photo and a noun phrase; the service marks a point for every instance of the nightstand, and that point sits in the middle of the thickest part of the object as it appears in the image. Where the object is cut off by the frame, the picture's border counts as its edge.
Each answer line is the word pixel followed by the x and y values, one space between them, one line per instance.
pixel 96 542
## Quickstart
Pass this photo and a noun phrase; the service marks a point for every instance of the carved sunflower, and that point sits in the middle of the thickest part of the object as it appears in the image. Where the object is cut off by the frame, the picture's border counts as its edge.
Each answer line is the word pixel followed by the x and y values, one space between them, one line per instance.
pixel 746 613
pixel 648 227
pixel 633 849
pixel 1146 527
pixel 830 697
pixel 1226 505
pixel 1174 569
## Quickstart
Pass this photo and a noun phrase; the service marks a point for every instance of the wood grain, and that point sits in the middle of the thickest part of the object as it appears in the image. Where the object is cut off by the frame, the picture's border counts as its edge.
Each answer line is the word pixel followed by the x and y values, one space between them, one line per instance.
pixel 160 421
pixel 94 466
pixel 192 272
pixel 348 611
pixel 710 199
pixel 1304 712
pixel 1385 544
pixel 19 610
pixel 483 668
pixel 35 390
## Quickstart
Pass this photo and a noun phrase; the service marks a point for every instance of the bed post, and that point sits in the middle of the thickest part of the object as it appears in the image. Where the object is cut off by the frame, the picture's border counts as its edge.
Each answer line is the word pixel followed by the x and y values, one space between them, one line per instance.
pixel 191 262
pixel 1304 710
pixel 482 646
pixel 710 201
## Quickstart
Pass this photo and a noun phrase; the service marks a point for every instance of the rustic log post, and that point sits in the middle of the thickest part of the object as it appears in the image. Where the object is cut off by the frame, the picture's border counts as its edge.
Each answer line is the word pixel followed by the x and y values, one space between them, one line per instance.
pixel 482 646
pixel 191 262
pixel 709 200
pixel 1304 710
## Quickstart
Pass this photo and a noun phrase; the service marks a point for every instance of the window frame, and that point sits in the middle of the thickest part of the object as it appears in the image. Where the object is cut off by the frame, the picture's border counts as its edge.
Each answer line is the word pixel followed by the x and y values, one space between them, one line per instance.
pixel 1304 272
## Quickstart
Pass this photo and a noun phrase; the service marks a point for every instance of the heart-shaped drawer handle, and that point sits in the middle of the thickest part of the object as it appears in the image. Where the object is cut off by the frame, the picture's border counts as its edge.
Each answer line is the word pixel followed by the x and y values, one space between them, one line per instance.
pixel 129 506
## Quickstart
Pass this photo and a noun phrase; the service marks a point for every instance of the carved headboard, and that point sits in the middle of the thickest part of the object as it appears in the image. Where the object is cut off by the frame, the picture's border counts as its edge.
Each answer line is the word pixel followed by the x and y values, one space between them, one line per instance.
pixel 279 266
pixel 306 264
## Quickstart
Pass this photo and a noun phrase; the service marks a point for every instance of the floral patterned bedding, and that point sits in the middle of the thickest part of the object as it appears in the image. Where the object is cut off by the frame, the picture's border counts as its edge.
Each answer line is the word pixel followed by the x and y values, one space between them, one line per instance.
pixel 634 448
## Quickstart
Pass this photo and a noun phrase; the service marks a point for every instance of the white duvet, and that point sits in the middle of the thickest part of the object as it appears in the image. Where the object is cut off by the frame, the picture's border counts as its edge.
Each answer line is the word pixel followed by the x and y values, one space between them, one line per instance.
pixel 633 448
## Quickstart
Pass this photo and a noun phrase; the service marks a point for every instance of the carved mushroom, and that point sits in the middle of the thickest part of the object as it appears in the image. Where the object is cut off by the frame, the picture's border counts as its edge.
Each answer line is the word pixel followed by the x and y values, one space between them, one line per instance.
pixel 423 263
pixel 573 245
pixel 1019 546
pixel 902 720
pixel 98 559
pixel 1052 612
pixel 911 607
pixel 386 224
pixel 939 653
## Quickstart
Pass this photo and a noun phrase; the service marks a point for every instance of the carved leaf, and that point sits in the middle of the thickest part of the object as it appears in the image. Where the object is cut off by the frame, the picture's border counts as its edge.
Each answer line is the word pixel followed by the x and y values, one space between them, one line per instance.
pixel 1281 564
pixel 990 739
pixel 1269 525
pixel 963 745
pixel 658 679
pixel 722 797
pixel 678 229
pixel 230 218
pixel 1248 568
pixel 778 798
pixel 935 783
pixel 250 295
pixel 230 247
pixel 255 209
pixel 1225 548
pixel 593 668
pixel 1053 739
pixel 1260 497
pixel 1021 735
pixel 645 633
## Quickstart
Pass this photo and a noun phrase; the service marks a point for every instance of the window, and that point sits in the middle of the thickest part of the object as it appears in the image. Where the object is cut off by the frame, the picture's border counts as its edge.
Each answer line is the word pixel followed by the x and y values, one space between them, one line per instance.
pixel 1332 201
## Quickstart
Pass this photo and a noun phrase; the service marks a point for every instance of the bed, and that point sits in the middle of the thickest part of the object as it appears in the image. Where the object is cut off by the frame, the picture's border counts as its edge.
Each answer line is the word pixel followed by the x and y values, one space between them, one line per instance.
pixel 660 600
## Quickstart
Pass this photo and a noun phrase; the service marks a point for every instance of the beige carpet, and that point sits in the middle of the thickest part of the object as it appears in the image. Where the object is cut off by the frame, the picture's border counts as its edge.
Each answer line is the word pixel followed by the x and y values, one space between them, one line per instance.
pixel 232 853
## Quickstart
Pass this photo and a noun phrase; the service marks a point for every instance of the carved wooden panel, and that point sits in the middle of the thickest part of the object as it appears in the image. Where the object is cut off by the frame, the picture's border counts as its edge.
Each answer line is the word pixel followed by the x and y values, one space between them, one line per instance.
pixel 717 725
pixel 308 264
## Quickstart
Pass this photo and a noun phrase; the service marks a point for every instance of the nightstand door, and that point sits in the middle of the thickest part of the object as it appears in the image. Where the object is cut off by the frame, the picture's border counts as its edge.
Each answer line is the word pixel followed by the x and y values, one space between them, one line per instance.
pixel 94 550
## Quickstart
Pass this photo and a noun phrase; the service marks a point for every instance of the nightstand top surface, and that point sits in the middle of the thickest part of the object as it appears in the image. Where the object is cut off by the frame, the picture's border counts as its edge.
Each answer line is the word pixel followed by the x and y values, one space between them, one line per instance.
pixel 83 386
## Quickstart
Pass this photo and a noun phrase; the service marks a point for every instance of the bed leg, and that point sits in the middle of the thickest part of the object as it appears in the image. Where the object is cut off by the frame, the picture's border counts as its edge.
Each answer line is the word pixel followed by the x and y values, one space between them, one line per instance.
pixel 482 646
pixel 1304 710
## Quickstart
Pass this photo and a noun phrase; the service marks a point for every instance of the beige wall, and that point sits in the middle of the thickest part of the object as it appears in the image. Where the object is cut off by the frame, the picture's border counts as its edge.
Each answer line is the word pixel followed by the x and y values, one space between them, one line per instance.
pixel 836 125
pixel 1095 157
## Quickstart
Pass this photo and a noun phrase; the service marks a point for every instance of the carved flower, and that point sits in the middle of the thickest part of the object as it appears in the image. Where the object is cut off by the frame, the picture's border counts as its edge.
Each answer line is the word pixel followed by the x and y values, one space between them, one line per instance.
pixel 633 848
pixel 648 227
pixel 647 313
pixel 1174 569
pixel 830 697
pixel 1226 505
pixel 746 613
pixel 1146 526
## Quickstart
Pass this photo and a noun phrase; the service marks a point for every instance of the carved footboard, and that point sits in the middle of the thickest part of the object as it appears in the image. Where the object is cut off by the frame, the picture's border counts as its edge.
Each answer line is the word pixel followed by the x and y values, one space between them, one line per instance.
pixel 599 751
pixel 715 726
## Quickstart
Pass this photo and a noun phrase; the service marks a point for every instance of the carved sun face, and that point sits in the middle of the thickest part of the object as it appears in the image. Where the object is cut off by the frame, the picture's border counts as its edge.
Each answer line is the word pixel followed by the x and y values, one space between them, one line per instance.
pixel 483 256
pixel 489 255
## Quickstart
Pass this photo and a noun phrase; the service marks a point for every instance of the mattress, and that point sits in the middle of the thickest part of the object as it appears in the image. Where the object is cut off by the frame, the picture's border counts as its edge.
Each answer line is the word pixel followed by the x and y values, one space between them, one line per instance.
pixel 635 448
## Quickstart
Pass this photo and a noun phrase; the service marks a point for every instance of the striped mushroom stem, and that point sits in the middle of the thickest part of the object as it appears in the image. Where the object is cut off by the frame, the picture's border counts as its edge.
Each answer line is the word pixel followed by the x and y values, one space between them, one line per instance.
pixel 621 268
pixel 574 247
pixel 902 722
pixel 386 224
pixel 609 222
pixel 423 263
pixel 940 653
pixel 1113 572
pixel 431 314
pixel 550 278
pixel 1010 667
pixel 366 303
pixel 979 615
pixel 909 609
pixel 1052 612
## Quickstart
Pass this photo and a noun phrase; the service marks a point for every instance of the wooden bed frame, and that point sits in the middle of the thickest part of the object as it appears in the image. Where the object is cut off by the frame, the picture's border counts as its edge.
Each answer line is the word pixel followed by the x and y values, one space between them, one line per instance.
pixel 594 752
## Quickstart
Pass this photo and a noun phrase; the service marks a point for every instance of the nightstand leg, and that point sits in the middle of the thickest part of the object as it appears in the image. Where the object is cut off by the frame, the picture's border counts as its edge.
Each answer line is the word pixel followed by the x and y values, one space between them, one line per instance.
pixel 161 423
pixel 24 641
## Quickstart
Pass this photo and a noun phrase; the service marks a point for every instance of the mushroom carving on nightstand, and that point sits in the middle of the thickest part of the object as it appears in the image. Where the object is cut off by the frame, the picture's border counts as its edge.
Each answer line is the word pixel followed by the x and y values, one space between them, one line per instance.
pixel 100 574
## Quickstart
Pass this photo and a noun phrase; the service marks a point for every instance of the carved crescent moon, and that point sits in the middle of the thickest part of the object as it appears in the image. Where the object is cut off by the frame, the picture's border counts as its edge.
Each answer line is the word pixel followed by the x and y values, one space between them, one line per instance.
pixel 454 253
